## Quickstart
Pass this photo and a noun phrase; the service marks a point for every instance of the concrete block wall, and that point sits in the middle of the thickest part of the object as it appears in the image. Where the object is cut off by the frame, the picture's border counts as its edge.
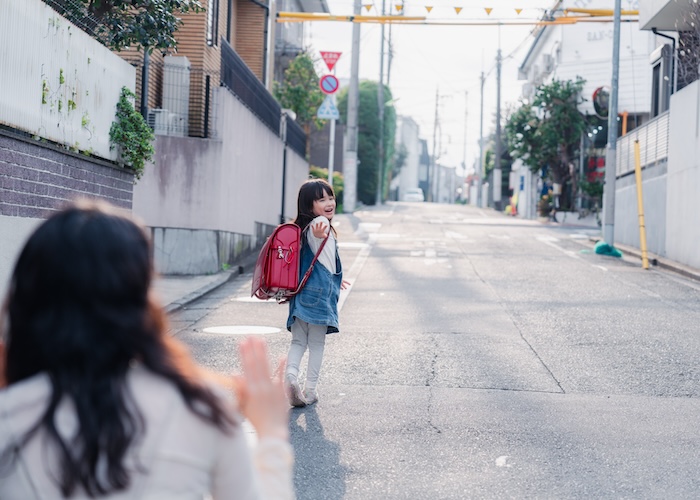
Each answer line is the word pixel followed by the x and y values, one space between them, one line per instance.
pixel 37 179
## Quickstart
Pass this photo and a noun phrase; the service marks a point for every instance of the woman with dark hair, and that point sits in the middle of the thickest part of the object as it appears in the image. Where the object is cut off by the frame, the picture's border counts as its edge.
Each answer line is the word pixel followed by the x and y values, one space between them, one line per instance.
pixel 101 402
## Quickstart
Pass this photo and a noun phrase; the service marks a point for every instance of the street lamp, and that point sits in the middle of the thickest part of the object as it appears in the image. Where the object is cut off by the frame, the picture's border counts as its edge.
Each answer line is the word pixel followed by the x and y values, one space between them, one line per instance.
pixel 285 115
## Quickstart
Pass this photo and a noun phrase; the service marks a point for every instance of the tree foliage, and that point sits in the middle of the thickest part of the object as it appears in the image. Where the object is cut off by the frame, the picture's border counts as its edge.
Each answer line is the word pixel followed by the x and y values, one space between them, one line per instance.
pixel 368 139
pixel 301 93
pixel 546 132
pixel 150 24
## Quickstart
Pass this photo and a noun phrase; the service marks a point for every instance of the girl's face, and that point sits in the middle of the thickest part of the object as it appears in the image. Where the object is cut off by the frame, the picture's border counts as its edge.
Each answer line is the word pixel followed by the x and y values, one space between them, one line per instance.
pixel 325 206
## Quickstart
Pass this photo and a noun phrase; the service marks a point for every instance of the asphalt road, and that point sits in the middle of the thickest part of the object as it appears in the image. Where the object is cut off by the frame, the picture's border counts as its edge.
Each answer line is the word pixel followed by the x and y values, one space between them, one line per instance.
pixel 482 356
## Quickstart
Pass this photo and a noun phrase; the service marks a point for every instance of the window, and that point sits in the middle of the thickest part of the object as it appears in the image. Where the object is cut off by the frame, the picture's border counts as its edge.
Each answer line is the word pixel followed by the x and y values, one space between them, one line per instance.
pixel 662 79
pixel 213 23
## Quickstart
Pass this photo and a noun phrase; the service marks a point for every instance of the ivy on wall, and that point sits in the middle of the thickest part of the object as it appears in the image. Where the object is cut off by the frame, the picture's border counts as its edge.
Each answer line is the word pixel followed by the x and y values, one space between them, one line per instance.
pixel 131 135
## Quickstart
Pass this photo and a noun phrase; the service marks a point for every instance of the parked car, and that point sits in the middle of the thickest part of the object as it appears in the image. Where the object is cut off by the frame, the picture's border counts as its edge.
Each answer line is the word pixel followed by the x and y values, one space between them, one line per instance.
pixel 413 194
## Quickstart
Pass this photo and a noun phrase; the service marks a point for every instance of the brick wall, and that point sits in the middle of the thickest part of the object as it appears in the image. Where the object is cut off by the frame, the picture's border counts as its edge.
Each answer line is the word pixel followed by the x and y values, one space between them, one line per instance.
pixel 36 179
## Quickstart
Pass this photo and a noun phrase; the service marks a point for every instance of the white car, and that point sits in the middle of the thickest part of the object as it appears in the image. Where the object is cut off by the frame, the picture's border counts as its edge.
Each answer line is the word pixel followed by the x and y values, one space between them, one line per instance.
pixel 413 194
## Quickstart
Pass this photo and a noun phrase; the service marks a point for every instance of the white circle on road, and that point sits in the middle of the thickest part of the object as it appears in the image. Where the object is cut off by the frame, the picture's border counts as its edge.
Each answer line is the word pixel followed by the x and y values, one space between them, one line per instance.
pixel 242 330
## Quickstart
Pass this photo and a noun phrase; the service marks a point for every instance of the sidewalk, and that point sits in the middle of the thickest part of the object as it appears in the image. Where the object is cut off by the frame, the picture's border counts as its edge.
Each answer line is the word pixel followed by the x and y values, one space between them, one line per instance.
pixel 589 224
pixel 654 260
pixel 174 292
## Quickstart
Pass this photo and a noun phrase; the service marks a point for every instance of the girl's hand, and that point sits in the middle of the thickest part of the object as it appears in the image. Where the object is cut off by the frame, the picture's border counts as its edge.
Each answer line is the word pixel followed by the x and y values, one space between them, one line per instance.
pixel 345 284
pixel 319 230
pixel 261 397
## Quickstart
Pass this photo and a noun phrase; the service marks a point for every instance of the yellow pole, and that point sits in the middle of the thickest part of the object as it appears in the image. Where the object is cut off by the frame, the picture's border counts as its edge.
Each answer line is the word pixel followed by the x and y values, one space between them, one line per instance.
pixel 640 206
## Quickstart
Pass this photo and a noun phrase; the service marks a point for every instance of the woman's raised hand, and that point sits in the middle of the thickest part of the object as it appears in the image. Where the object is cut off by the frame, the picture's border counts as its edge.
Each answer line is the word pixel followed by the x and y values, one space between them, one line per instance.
pixel 261 396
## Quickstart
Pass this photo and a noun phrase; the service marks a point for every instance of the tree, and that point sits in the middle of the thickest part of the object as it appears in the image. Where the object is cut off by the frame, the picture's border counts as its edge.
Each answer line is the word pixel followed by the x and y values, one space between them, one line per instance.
pixel 546 133
pixel 301 93
pixel 118 24
pixel 368 139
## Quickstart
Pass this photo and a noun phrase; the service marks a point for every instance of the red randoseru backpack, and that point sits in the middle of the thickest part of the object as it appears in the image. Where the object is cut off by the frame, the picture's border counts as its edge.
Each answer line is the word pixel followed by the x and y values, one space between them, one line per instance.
pixel 276 272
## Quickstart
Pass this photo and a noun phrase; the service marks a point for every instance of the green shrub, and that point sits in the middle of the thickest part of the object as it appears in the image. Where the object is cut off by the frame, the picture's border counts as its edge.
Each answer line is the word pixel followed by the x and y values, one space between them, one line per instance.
pixel 131 135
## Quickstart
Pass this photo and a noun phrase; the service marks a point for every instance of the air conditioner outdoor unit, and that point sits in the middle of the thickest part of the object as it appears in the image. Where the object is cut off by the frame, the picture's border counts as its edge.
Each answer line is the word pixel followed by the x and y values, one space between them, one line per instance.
pixel 177 125
pixel 158 120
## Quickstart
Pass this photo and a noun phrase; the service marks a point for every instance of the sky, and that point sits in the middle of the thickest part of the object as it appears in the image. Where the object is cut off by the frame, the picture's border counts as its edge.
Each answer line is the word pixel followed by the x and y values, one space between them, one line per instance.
pixel 438 59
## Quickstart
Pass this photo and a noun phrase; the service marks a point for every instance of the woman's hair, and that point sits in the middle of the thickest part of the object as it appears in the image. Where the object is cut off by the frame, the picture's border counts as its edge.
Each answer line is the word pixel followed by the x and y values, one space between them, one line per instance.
pixel 310 191
pixel 79 310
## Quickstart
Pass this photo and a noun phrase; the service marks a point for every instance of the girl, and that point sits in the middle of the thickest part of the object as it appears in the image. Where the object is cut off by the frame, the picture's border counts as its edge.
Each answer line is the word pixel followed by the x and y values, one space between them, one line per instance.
pixel 313 312
pixel 100 401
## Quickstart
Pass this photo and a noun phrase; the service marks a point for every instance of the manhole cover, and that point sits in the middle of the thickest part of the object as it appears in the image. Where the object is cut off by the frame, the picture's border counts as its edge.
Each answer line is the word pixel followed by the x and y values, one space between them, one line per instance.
pixel 242 330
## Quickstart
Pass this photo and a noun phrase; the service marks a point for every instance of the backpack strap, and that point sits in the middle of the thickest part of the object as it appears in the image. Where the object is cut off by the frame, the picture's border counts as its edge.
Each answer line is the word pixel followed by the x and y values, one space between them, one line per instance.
pixel 303 280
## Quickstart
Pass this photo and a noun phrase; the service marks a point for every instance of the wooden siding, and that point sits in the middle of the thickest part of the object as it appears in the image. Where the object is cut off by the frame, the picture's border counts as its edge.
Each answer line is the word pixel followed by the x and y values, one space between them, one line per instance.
pixel 248 39
pixel 249 35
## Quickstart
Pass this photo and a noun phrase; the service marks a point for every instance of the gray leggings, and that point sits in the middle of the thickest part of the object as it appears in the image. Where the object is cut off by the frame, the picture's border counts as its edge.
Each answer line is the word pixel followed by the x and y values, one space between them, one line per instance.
pixel 307 335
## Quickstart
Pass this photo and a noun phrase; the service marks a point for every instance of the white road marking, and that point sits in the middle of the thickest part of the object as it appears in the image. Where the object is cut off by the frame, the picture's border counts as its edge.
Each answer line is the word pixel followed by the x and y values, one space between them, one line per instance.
pixel 502 461
pixel 455 236
pixel 352 274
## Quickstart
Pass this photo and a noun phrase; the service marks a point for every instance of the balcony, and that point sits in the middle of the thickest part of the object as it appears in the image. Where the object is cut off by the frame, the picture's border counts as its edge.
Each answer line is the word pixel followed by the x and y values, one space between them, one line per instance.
pixel 653 145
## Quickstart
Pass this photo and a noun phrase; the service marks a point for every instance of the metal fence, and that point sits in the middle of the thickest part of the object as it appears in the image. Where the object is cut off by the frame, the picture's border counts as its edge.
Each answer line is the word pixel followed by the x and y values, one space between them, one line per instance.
pixel 240 80
pixel 180 96
pixel 653 145
pixel 296 138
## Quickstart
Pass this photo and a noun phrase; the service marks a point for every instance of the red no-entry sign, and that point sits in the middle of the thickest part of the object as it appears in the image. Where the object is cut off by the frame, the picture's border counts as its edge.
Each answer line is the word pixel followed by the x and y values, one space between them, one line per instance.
pixel 329 84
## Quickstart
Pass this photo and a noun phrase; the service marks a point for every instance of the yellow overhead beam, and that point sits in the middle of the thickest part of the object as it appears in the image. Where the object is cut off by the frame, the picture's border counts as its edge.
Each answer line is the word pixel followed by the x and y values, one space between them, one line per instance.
pixel 602 12
pixel 300 17
pixel 318 16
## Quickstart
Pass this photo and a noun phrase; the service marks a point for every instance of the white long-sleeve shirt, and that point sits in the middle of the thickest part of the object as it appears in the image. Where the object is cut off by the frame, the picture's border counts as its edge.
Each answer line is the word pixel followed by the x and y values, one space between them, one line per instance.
pixel 327 257
pixel 181 456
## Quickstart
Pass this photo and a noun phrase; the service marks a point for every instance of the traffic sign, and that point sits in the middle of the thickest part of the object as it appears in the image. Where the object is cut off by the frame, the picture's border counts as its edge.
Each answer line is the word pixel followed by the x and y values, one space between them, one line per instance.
pixel 330 58
pixel 329 84
pixel 328 110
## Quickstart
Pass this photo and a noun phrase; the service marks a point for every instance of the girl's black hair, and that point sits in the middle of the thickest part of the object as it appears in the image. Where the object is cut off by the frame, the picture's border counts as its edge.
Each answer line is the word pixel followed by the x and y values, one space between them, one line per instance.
pixel 310 191
pixel 79 310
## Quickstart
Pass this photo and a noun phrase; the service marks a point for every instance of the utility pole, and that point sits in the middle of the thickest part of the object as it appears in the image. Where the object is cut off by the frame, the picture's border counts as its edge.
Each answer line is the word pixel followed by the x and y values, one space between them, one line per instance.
pixel 464 148
pixel 270 75
pixel 389 58
pixel 380 105
pixel 431 168
pixel 350 156
pixel 611 151
pixel 466 115
pixel 497 177
pixel 480 173
pixel 331 145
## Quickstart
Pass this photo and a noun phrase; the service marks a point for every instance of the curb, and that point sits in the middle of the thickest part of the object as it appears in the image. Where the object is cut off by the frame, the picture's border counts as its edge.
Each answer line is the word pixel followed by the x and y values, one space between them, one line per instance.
pixel 655 260
pixel 246 265
pixel 192 296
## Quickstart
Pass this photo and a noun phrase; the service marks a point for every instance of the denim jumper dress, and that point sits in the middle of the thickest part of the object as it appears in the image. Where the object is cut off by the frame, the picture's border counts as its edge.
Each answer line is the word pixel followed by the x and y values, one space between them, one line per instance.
pixel 317 303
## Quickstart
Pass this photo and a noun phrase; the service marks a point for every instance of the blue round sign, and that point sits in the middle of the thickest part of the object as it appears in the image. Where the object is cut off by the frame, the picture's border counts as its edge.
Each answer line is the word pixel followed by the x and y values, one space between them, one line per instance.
pixel 329 84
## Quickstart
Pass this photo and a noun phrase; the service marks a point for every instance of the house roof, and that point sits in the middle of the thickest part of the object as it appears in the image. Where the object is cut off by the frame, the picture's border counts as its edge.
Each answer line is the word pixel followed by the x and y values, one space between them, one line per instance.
pixel 539 35
pixel 314 6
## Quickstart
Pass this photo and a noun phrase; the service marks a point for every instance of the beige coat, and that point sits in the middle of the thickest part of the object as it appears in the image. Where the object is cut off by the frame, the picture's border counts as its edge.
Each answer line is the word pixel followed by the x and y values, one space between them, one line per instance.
pixel 183 457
